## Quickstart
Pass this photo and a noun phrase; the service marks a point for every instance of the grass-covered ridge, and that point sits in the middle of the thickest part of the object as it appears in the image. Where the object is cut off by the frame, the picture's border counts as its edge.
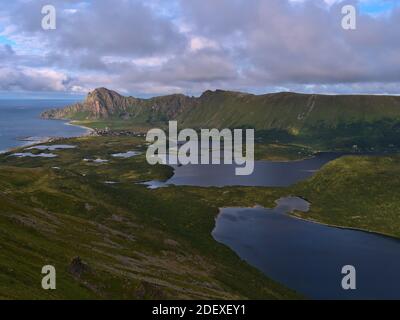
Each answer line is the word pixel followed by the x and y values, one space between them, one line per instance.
pixel 225 109
pixel 337 122
pixel 358 192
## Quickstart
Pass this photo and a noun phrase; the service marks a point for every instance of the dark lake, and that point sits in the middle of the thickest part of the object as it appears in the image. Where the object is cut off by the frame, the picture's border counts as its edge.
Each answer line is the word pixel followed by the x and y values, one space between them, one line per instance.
pixel 266 173
pixel 305 256
pixel 308 257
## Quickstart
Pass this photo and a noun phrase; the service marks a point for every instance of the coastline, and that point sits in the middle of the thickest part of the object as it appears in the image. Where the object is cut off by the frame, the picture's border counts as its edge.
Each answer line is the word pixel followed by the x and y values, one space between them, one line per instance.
pixel 89 131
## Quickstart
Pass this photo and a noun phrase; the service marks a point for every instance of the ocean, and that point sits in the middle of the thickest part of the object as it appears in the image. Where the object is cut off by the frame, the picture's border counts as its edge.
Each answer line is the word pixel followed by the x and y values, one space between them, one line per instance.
pixel 20 122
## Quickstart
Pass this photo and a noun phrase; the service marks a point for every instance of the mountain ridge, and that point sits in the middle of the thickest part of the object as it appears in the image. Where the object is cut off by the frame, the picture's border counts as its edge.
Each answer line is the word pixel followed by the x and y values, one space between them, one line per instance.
pixel 103 103
pixel 287 111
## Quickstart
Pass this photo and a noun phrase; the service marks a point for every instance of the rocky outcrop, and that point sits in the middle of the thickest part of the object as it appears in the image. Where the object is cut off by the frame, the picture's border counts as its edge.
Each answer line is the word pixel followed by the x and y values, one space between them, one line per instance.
pixel 77 267
pixel 105 104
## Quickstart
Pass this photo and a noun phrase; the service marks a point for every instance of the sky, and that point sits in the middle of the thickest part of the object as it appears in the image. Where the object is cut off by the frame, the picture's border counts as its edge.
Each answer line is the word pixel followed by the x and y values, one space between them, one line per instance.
pixel 154 47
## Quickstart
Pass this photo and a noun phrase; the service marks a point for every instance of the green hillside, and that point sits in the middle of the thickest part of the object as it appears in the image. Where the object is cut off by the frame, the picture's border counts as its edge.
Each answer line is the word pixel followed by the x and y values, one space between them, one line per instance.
pixel 220 109
pixel 288 111
pixel 136 243
pixel 133 243
pixel 357 191
pixel 327 122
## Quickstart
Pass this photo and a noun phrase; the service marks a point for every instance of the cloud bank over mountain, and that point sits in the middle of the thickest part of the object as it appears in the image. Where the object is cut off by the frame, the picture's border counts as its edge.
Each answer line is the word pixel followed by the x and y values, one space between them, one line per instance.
pixel 153 47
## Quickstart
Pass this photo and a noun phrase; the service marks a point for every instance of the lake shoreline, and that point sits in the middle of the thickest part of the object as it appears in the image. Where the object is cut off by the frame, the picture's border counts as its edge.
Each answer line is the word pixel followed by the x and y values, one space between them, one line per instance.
pixel 292 214
pixel 265 238
pixel 381 234
pixel 92 132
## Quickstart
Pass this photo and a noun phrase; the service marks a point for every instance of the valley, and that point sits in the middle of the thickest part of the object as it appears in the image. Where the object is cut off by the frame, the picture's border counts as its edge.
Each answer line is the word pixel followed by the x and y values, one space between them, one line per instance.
pixel 156 244
pixel 137 243
pixel 88 211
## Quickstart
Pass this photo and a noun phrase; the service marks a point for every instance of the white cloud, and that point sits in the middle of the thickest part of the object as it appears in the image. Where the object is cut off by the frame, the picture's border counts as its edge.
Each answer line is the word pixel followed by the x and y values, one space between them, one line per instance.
pixel 187 46
pixel 30 79
pixel 200 43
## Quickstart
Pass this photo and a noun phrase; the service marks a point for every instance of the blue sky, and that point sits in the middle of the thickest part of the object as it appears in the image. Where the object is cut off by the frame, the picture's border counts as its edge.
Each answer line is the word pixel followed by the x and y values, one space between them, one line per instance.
pixel 377 6
pixel 5 40
pixel 154 47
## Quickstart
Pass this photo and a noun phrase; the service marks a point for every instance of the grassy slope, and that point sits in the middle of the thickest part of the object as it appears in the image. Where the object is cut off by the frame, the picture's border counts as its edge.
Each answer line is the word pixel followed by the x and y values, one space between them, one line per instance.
pixel 140 243
pixel 220 109
pixel 289 111
pixel 137 243
pixel 264 150
pixel 341 123
pixel 281 152
pixel 318 121
pixel 360 192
